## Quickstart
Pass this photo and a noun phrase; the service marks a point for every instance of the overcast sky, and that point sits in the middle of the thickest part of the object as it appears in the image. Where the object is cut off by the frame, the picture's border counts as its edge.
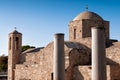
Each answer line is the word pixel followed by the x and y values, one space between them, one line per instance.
pixel 39 20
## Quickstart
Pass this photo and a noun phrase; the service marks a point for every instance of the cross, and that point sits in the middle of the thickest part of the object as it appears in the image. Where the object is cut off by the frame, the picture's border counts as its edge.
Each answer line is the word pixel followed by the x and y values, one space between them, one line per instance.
pixel 15 28
pixel 86 7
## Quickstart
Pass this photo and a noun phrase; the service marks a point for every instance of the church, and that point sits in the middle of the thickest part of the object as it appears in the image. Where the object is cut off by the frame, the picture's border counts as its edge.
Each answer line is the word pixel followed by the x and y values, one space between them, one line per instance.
pixel 37 63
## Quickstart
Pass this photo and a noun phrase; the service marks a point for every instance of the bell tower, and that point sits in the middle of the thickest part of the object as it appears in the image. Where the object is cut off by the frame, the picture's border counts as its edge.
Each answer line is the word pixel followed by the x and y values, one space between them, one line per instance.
pixel 14 50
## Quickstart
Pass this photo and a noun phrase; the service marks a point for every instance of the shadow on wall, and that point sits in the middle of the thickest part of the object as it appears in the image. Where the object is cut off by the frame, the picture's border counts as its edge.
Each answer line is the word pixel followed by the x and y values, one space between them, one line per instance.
pixel 78 75
pixel 69 73
pixel 114 69
pixel 72 73
pixel 78 56
pixel 115 72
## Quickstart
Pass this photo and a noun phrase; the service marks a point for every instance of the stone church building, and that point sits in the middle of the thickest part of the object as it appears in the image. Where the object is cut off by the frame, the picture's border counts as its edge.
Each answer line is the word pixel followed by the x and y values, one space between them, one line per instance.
pixel 37 63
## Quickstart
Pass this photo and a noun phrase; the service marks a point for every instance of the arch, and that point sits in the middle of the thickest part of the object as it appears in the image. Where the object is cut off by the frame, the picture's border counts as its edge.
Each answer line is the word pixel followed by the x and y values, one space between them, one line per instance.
pixel 10 43
pixel 16 43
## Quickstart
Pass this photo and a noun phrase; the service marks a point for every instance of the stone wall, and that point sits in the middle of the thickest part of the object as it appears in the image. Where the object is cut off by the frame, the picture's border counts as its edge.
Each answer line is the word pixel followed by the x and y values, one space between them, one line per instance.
pixel 83 29
pixel 83 72
pixel 113 53
pixel 39 65
pixel 75 25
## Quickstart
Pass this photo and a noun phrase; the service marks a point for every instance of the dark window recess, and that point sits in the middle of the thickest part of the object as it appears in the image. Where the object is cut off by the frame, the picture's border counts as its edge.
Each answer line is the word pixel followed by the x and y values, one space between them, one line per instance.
pixel 16 42
pixel 51 76
pixel 74 33
pixel 10 43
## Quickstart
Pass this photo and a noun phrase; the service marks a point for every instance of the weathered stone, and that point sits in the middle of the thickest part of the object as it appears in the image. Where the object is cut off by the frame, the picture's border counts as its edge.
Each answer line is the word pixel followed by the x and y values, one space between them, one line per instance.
pixel 37 64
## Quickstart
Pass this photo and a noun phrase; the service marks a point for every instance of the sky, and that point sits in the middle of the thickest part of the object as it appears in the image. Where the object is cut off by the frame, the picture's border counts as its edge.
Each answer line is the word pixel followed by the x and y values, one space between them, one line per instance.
pixel 39 20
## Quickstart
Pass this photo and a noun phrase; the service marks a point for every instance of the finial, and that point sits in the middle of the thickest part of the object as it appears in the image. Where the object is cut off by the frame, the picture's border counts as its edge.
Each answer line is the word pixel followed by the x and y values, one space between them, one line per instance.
pixel 86 7
pixel 15 28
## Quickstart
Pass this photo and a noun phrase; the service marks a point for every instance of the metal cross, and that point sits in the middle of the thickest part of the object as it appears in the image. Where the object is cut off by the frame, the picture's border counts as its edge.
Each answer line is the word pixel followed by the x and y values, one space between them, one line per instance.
pixel 86 7
pixel 15 28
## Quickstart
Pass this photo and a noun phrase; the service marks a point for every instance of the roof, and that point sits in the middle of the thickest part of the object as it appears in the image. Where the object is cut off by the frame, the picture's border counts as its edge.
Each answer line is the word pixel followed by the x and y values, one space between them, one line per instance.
pixel 31 50
pixel 77 45
pixel 15 32
pixel 88 15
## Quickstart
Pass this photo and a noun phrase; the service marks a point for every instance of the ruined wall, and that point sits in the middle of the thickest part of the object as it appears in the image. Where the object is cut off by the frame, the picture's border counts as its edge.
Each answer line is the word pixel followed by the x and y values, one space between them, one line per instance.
pixel 25 72
pixel 113 53
pixel 39 65
pixel 80 69
pixel 83 72
pixel 113 59
pixel 32 68
pixel 80 56
pixel 114 72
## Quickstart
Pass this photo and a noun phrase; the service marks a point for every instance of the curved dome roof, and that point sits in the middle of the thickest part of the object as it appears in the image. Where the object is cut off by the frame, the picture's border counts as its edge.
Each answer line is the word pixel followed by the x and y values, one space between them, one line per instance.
pixel 88 15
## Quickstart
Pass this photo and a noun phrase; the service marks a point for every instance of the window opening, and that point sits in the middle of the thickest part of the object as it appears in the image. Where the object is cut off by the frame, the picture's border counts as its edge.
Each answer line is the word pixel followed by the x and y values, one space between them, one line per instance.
pixel 74 33
pixel 16 42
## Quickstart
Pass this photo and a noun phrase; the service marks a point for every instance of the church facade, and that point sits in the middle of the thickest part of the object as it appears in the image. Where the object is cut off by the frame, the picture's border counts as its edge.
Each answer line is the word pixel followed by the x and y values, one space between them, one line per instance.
pixel 37 63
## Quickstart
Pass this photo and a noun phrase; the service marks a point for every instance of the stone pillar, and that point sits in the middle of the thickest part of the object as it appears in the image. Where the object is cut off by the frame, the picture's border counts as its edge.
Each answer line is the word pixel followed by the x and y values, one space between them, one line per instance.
pixel 98 54
pixel 59 57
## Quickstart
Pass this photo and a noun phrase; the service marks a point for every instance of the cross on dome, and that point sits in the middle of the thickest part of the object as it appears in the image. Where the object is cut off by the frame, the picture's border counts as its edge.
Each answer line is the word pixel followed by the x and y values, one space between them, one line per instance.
pixel 86 8
pixel 15 28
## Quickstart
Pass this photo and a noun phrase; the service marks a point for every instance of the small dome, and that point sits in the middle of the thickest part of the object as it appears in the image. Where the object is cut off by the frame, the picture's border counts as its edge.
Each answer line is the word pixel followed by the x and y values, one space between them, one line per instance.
pixel 15 32
pixel 88 15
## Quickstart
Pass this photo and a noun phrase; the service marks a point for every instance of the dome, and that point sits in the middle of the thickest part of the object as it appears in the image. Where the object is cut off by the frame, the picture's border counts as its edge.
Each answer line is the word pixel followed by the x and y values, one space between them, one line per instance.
pixel 88 15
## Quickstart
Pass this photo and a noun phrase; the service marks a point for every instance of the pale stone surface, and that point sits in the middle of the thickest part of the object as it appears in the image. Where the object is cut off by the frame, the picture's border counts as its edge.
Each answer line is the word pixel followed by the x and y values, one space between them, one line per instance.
pixel 98 54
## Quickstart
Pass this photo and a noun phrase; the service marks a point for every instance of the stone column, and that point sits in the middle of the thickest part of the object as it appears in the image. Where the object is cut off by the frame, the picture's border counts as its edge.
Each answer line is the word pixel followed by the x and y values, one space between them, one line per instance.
pixel 98 54
pixel 59 57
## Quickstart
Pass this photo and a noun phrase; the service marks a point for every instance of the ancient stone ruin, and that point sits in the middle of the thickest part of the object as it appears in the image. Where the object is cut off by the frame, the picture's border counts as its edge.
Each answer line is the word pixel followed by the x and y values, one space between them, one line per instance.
pixel 88 39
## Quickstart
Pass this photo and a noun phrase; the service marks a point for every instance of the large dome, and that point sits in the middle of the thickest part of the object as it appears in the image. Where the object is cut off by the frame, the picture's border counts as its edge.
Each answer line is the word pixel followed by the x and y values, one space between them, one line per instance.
pixel 88 15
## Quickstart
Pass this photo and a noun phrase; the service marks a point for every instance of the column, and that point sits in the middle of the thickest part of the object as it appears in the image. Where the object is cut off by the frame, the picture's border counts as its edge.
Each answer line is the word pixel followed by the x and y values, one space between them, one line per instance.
pixel 59 57
pixel 98 54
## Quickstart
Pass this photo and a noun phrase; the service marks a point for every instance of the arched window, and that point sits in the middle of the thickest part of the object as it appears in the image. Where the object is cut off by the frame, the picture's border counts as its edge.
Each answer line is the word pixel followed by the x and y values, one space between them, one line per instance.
pixel 10 43
pixel 74 33
pixel 16 43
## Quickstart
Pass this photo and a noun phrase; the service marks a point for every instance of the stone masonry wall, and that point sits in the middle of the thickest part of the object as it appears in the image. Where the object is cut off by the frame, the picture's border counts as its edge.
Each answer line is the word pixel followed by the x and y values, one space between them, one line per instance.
pixel 75 25
pixel 84 72
pixel 113 53
pixel 39 65
pixel 83 28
